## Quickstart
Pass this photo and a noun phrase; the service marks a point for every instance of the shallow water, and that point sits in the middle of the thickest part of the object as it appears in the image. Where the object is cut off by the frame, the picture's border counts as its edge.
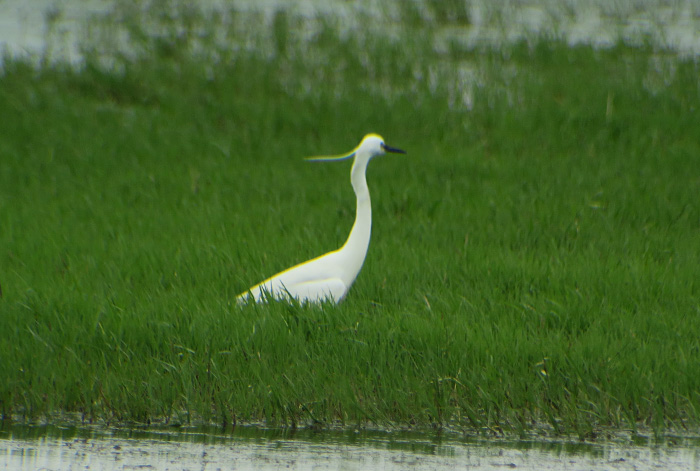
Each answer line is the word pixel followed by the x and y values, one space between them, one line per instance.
pixel 76 448
pixel 56 27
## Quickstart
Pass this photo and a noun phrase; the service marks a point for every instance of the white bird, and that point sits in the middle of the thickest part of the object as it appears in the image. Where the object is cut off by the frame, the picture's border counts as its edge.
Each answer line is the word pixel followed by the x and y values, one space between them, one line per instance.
pixel 330 276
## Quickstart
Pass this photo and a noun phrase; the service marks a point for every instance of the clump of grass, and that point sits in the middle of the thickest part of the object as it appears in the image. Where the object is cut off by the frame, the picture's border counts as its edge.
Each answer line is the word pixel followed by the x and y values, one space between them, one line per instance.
pixel 534 257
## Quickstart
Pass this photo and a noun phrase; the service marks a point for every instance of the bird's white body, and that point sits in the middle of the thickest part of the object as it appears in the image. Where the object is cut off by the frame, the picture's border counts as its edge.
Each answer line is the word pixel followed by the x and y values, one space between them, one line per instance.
pixel 330 276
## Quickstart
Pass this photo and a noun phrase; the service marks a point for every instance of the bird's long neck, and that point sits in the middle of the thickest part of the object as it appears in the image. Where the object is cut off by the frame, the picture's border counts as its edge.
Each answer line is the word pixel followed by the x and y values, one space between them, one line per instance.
pixel 355 248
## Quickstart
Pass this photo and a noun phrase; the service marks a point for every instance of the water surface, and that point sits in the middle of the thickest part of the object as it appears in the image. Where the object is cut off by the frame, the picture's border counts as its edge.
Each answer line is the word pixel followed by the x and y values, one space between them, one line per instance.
pixel 243 448
pixel 55 28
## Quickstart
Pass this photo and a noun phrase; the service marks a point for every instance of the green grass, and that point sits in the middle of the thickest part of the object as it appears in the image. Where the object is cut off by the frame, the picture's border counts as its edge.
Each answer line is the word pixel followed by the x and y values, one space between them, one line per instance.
pixel 534 258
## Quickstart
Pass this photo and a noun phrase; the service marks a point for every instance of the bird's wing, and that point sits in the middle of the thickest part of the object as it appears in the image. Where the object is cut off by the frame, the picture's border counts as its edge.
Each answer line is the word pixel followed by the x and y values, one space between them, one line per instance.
pixel 313 280
pixel 318 290
pixel 313 291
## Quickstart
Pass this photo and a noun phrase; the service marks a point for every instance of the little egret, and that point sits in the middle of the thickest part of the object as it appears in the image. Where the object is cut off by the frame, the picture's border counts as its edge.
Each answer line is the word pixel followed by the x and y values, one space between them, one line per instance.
pixel 330 276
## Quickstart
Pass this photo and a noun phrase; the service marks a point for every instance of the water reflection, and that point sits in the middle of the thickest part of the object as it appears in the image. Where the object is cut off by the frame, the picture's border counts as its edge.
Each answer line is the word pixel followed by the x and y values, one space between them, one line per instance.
pixel 69 447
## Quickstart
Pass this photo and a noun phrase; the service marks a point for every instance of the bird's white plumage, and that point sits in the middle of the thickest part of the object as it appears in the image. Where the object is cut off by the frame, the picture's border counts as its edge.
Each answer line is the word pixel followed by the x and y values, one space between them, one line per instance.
pixel 330 276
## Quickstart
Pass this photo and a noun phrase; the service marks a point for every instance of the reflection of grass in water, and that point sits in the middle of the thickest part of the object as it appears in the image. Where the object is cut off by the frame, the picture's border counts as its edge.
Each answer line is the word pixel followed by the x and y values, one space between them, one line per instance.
pixel 534 257
pixel 306 440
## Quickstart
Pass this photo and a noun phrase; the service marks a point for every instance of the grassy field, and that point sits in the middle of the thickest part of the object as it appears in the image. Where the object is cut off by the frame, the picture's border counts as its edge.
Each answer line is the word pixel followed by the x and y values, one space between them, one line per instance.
pixel 535 257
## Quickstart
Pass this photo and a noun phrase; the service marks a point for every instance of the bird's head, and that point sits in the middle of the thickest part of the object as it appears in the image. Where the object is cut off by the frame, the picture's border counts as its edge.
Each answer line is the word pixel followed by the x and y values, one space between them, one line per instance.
pixel 371 145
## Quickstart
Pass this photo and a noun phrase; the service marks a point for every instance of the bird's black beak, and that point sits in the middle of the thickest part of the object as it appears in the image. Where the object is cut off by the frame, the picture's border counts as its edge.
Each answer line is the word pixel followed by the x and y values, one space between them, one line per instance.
pixel 393 150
